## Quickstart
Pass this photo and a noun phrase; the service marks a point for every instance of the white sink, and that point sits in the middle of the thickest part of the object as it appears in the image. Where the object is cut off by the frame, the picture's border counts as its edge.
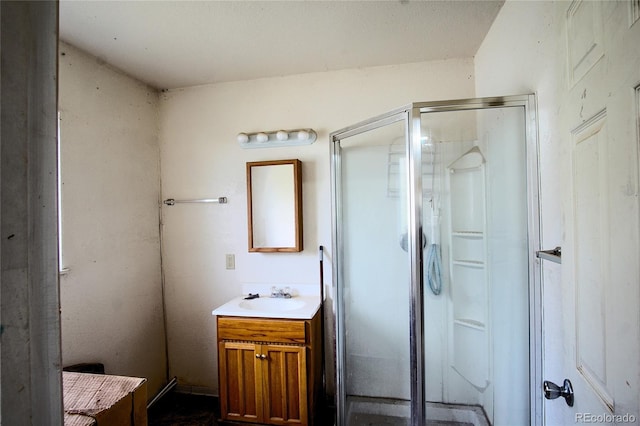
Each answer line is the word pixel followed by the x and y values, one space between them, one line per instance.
pixel 298 307
pixel 272 304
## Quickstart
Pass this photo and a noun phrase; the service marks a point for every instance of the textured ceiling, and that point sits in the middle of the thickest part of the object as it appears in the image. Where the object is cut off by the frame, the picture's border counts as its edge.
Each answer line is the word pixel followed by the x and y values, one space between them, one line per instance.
pixel 170 44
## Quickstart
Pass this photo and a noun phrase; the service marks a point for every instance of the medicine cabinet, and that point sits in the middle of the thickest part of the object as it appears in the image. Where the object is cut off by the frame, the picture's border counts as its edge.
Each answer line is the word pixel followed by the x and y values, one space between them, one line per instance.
pixel 274 205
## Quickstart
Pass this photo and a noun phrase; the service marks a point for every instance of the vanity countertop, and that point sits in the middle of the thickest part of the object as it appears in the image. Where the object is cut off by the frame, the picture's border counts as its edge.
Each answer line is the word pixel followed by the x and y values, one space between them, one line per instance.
pixel 297 307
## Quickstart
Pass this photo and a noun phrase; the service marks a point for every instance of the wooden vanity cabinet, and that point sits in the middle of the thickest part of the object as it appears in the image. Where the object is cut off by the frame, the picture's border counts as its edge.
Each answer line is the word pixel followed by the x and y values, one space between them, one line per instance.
pixel 269 370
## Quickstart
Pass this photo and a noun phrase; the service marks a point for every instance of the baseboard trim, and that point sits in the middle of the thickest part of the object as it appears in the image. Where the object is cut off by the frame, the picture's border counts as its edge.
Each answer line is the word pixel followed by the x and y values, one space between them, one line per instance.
pixel 196 390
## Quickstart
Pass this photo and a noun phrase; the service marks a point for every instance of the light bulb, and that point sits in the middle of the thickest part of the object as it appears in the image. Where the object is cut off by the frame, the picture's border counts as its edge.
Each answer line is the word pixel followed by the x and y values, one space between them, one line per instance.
pixel 242 138
pixel 262 137
pixel 282 135
pixel 303 135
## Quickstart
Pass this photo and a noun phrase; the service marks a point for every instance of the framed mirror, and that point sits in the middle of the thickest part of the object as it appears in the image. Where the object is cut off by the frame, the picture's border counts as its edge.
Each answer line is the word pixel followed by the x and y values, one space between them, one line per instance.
pixel 274 205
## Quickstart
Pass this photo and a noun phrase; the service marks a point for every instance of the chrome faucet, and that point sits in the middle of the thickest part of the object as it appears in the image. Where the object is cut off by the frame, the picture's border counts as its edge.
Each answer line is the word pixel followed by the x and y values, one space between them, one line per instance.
pixel 281 293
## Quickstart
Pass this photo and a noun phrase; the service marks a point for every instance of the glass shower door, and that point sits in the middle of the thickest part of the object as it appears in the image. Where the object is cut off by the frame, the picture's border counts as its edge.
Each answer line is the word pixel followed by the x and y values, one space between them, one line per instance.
pixel 373 275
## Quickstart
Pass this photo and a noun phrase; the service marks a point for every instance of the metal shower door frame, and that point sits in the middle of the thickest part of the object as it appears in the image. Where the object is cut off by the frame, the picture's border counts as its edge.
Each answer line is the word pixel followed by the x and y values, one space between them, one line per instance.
pixel 395 116
pixel 411 116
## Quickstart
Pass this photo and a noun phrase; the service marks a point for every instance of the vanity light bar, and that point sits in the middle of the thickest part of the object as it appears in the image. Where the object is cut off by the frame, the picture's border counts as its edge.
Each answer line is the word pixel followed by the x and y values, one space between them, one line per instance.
pixel 276 138
pixel 219 200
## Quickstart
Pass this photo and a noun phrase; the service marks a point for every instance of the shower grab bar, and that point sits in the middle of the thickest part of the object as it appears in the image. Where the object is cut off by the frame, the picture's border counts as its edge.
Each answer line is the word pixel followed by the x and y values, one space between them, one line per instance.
pixel 219 200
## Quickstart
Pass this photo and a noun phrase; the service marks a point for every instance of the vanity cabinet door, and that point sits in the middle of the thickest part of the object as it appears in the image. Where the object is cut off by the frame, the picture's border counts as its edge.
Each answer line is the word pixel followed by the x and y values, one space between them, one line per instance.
pixel 284 374
pixel 240 369
pixel 276 380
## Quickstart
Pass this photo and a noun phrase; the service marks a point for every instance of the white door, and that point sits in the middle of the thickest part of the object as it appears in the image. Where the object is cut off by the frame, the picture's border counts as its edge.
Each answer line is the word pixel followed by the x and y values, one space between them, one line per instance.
pixel 600 256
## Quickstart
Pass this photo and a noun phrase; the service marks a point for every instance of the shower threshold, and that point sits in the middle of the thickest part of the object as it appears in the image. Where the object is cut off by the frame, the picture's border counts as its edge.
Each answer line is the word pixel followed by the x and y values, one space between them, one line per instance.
pixel 366 411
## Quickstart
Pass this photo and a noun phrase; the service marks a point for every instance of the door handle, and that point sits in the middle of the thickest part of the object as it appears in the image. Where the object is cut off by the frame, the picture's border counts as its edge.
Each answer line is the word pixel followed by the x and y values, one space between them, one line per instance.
pixel 553 391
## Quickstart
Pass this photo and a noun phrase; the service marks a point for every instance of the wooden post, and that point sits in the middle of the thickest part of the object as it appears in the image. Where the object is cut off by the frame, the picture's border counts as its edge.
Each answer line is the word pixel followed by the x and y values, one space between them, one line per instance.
pixel 30 370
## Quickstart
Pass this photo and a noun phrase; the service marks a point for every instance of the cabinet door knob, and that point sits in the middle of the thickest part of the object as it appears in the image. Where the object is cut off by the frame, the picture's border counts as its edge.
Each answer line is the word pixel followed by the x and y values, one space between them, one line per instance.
pixel 257 355
pixel 263 356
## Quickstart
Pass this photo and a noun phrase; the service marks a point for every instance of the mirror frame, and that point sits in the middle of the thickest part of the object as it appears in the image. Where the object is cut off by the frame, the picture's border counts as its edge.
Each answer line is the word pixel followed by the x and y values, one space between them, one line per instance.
pixel 297 187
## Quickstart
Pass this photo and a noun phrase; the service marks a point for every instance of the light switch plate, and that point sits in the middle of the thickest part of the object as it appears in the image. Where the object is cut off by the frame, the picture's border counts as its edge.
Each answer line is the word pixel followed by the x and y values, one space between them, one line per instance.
pixel 230 261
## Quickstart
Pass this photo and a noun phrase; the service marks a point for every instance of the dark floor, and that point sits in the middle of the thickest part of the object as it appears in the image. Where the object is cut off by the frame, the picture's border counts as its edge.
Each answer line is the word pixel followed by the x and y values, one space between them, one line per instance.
pixel 360 419
pixel 177 409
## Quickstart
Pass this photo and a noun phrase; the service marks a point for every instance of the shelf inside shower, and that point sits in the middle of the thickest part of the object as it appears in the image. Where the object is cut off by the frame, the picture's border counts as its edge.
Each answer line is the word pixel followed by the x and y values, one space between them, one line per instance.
pixel 469 294
pixel 468 330
pixel 469 263
pixel 468 251
pixel 467 234
pixel 477 325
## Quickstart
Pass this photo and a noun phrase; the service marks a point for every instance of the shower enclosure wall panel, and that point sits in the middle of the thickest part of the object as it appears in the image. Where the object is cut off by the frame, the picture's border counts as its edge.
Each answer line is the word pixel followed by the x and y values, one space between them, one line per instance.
pixel 452 134
pixel 445 133
pixel 508 258
pixel 435 311
pixel 483 223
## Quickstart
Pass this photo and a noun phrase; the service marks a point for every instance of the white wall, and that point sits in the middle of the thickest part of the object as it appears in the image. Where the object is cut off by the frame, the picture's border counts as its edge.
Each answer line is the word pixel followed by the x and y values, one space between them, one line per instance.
pixel 526 33
pixel 526 51
pixel 201 159
pixel 112 296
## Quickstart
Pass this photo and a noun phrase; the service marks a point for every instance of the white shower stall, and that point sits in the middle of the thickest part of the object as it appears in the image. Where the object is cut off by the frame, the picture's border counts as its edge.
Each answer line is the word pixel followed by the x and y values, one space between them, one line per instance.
pixel 435 230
